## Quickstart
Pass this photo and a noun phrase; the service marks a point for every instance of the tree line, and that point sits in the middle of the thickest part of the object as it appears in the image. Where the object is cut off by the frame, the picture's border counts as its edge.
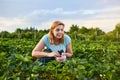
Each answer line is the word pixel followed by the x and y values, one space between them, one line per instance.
pixel 75 32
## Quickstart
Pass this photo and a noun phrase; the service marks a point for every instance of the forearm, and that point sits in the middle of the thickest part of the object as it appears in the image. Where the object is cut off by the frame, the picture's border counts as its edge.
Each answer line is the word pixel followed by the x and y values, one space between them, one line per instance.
pixel 39 54
pixel 68 54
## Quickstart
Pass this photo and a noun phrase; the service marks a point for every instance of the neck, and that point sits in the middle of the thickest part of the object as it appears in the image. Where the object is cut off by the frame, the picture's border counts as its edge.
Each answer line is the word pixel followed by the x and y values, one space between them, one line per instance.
pixel 56 41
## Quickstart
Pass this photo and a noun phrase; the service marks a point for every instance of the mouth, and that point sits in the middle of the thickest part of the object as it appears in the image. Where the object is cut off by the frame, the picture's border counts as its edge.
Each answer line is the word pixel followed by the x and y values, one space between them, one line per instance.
pixel 59 35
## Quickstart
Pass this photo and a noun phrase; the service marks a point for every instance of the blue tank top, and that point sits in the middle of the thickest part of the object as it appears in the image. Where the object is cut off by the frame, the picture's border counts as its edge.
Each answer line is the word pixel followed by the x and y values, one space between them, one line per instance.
pixel 54 47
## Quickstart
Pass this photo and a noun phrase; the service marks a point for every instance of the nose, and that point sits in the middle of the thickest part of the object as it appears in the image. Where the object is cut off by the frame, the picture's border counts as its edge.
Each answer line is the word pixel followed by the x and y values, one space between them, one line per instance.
pixel 60 31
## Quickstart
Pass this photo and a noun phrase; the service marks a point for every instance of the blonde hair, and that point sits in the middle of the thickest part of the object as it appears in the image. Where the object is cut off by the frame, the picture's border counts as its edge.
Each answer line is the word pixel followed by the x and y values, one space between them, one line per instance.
pixel 51 35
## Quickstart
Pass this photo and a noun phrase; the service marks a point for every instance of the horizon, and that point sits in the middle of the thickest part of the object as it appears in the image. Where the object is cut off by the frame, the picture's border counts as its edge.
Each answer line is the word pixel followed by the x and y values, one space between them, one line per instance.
pixel 64 30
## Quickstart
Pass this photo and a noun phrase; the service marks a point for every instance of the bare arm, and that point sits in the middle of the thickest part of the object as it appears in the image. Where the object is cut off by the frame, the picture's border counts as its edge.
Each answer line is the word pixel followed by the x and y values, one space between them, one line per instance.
pixel 38 53
pixel 69 52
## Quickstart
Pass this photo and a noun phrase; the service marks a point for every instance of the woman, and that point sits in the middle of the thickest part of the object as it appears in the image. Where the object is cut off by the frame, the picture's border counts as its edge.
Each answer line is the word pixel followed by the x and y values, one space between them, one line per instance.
pixel 56 41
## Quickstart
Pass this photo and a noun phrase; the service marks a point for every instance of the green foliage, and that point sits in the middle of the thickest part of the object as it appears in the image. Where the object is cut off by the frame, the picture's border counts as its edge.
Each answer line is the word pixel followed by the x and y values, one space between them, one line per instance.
pixel 76 32
pixel 74 28
pixel 117 27
pixel 97 60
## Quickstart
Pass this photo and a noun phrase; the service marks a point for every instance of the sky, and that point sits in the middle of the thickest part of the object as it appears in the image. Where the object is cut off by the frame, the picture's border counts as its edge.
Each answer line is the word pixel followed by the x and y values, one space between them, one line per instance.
pixel 40 14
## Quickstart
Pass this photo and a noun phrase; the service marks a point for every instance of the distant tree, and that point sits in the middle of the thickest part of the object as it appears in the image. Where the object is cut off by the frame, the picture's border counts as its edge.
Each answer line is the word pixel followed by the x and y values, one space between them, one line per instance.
pixel 5 34
pixel 117 28
pixel 83 30
pixel 29 35
pixel 113 35
pixel 116 32
pixel 18 31
pixel 74 28
pixel 91 31
pixel 99 32
pixel 14 35
pixel 74 31
pixel 81 36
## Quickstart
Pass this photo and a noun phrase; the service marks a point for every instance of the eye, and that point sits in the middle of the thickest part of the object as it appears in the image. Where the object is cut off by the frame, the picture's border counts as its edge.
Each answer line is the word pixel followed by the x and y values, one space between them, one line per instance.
pixel 57 29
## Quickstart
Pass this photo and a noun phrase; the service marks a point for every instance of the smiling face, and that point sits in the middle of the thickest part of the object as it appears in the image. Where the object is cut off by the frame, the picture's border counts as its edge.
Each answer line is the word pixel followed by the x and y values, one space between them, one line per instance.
pixel 58 31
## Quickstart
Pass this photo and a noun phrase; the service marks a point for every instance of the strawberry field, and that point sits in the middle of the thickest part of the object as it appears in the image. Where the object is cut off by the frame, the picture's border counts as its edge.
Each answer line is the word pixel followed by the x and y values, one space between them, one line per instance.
pixel 92 60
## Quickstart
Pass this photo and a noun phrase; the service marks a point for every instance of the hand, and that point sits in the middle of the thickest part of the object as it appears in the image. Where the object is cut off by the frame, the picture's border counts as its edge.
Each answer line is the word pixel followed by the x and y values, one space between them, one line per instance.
pixel 53 54
pixel 63 54
pixel 62 58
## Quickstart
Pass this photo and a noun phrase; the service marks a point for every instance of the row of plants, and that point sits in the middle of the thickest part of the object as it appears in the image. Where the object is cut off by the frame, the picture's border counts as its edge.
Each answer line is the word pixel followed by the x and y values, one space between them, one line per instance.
pixel 95 60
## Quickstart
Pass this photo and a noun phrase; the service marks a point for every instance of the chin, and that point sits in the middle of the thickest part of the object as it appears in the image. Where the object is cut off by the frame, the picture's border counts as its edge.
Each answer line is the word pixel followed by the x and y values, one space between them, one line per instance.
pixel 59 37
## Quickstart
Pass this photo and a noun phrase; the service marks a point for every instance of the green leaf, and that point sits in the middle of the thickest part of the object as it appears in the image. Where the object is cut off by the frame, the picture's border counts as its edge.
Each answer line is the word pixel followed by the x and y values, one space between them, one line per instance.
pixel 20 57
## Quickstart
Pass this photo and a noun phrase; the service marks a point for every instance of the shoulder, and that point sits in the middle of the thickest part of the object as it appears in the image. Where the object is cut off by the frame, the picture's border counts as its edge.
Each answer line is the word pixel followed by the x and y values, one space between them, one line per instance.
pixel 67 37
pixel 45 37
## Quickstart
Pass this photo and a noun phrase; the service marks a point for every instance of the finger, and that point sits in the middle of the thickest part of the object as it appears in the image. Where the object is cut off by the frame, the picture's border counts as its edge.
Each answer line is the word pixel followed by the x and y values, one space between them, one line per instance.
pixel 63 54
pixel 60 58
pixel 56 54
